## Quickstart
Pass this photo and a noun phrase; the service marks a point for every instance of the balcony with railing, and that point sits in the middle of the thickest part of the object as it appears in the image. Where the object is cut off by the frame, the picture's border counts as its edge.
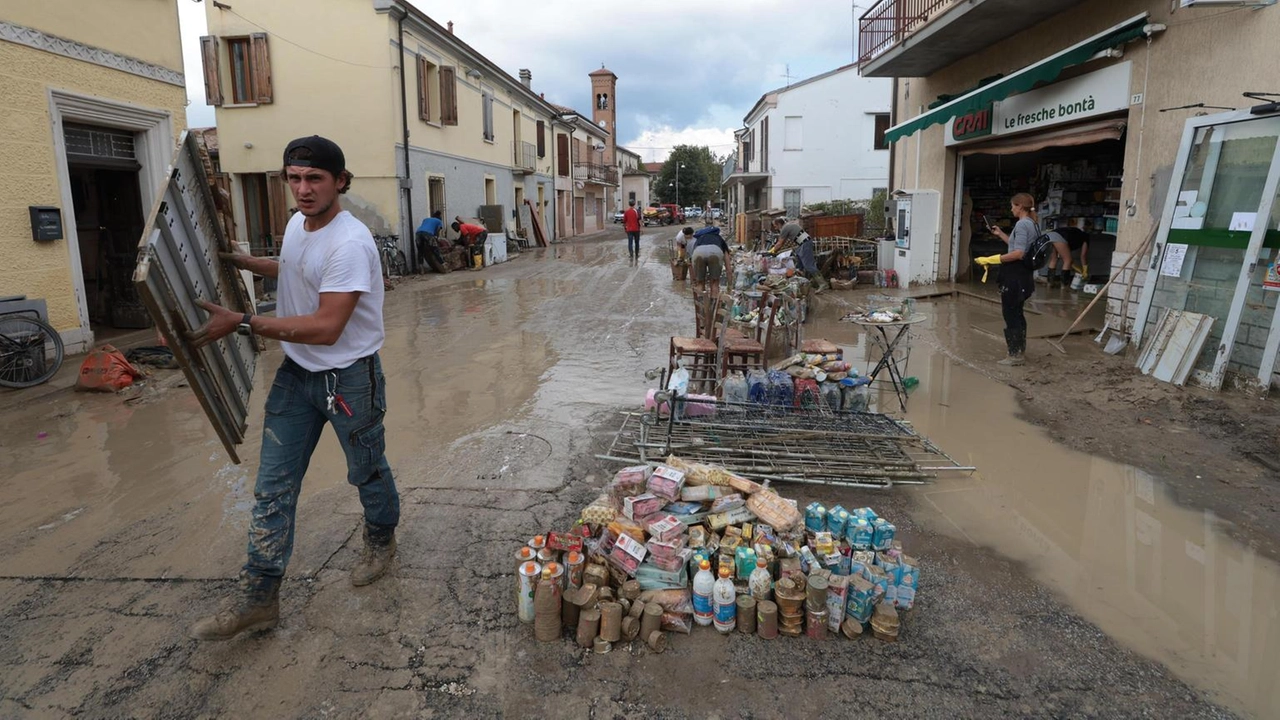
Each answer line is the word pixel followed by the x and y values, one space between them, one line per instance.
pixel 916 38
pixel 524 157
pixel 595 173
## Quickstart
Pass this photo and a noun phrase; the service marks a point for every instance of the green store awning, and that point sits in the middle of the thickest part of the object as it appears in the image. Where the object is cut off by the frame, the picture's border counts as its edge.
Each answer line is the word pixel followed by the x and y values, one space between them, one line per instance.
pixel 1046 70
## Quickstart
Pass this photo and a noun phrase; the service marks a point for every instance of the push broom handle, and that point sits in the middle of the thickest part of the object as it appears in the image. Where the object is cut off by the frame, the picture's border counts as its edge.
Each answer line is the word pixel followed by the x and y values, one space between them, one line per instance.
pixel 1142 249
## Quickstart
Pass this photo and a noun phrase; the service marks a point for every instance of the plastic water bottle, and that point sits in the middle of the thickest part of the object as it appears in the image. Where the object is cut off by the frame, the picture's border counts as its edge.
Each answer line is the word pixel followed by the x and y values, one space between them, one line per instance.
pixel 726 603
pixel 760 583
pixel 703 585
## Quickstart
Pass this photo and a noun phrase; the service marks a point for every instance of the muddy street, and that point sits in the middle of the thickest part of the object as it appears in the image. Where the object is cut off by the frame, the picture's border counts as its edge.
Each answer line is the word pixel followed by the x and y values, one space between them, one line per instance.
pixel 1054 582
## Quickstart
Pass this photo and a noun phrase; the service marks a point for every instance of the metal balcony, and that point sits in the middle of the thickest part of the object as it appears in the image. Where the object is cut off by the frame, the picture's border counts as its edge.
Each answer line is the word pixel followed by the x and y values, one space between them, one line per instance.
pixel 524 157
pixel 595 173
pixel 916 38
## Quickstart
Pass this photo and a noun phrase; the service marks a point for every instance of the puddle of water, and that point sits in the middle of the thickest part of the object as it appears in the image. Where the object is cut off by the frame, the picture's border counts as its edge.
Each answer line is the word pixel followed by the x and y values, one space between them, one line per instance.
pixel 1160 578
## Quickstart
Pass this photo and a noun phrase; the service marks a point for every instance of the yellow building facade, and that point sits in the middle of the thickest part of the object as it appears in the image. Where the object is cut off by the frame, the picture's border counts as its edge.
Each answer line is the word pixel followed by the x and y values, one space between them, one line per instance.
pixel 92 108
pixel 426 122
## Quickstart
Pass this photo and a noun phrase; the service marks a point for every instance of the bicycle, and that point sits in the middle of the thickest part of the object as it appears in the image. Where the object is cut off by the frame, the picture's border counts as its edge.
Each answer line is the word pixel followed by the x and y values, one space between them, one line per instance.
pixel 394 262
pixel 30 350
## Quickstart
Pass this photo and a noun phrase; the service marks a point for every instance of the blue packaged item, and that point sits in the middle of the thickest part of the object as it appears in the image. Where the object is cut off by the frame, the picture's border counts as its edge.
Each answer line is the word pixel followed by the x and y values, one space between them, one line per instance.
pixel 861 534
pixel 683 508
pixel 861 601
pixel 781 389
pixel 757 386
pixel 815 517
pixel 882 535
pixel 866 513
pixel 837 519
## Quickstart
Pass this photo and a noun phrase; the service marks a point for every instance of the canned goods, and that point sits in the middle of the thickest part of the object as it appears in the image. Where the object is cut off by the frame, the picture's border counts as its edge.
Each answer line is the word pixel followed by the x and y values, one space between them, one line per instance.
pixel 529 574
pixel 538 542
pixel 574 565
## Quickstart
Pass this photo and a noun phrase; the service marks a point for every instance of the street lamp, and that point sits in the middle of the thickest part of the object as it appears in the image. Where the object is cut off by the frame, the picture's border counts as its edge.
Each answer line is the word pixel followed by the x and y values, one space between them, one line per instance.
pixel 678 166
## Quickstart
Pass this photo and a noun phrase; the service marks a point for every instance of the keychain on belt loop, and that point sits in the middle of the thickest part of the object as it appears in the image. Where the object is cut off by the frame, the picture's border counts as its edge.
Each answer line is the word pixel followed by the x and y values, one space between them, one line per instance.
pixel 332 397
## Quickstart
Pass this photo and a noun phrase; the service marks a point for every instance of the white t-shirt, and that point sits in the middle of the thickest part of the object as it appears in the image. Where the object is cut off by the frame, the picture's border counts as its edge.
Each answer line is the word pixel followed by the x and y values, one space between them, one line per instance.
pixel 339 257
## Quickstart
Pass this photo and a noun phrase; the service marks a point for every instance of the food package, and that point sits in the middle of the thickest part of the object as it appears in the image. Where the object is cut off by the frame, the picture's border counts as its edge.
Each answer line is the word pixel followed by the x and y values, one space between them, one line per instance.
pixel 909 582
pixel 815 517
pixel 837 599
pixel 629 481
pixel 891 567
pixel 737 516
pixel 683 508
pixel 743 485
pixel 772 509
pixel 730 543
pixel 702 493
pixel 790 568
pixel 694 473
pixel 638 506
pixel 623 526
pixel 859 533
pixel 880 579
pixel 797 359
pixel 664 548
pixel 697 536
pixel 564 542
pixel 866 513
pixel 728 502
pixel 861 598
pixel 666 482
pixel 859 561
pixel 599 512
pixel 823 543
pixel 665 527
pixel 837 519
pixel 835 366
pixel 694 519
pixel 763 535
pixel 628 553
pixel 653 577
pixel 745 562
pixel 670 600
pixel 677 623
pixel 882 534
pixel 669 564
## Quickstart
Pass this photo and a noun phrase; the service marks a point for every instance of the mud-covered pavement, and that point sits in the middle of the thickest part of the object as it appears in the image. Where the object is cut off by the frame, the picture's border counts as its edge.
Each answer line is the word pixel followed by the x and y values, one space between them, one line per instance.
pixel 1053 583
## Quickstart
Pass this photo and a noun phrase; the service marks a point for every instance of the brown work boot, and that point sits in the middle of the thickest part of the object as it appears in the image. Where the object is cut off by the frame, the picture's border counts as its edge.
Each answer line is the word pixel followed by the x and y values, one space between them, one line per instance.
pixel 374 559
pixel 255 607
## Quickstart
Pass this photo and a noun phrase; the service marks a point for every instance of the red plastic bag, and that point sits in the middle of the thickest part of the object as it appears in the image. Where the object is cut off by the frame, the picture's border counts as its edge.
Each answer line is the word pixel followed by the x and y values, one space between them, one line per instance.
pixel 106 370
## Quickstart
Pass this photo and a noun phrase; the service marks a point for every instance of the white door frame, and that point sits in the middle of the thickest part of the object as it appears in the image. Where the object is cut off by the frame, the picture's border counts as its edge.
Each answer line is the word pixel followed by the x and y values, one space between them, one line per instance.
pixel 957 218
pixel 1251 252
pixel 154 146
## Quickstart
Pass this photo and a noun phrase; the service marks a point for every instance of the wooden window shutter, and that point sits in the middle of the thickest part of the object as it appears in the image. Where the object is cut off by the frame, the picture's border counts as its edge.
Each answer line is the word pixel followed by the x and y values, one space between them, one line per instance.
pixel 562 150
pixel 542 139
pixel 261 59
pixel 764 145
pixel 277 205
pixel 212 78
pixel 448 96
pixel 424 95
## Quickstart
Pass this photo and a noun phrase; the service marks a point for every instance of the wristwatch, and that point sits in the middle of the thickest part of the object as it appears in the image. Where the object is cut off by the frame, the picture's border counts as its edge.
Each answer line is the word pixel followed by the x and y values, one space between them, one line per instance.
pixel 244 328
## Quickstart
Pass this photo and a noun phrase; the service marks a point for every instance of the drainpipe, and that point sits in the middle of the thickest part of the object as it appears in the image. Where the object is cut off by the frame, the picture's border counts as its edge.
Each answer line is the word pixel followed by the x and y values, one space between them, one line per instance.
pixel 405 183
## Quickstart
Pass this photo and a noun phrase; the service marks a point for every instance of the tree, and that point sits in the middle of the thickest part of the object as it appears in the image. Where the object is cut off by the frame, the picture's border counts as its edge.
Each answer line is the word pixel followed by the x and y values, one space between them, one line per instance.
pixel 699 176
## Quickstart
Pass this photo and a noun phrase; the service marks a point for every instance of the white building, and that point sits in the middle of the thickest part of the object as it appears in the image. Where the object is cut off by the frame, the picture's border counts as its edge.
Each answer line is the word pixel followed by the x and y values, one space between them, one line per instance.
pixel 635 181
pixel 817 140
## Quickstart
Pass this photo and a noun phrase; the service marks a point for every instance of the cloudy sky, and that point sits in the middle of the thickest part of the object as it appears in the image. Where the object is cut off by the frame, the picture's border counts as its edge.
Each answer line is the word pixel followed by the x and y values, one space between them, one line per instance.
pixel 688 70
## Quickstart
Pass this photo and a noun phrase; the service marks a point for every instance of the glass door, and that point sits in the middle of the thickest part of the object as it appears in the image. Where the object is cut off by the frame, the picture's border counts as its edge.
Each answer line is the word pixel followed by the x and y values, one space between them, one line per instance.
pixel 1218 220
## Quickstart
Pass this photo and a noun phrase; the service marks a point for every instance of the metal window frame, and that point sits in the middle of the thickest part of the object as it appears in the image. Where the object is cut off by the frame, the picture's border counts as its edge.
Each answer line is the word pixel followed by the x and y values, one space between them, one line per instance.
pixel 178 264
pixel 1248 264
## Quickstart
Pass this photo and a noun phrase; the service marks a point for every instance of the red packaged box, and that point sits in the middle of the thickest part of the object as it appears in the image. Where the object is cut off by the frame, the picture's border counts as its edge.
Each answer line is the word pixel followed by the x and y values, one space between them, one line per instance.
pixel 666 527
pixel 639 506
pixel 666 482
pixel 665 549
pixel 568 542
pixel 628 553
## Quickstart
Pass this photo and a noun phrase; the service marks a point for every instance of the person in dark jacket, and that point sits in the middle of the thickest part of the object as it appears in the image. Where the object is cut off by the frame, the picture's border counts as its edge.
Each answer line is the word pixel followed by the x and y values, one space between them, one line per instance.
pixel 709 253
pixel 1017 280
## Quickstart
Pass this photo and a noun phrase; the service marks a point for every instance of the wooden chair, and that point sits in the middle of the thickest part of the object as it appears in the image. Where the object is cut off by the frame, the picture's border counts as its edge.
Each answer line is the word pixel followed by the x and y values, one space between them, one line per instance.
pixel 698 354
pixel 748 353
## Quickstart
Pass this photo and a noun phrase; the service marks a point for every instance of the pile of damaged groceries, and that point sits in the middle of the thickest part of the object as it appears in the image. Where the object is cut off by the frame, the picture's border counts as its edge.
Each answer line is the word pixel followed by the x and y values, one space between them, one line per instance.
pixel 679 545
pixel 885 314
pixel 806 381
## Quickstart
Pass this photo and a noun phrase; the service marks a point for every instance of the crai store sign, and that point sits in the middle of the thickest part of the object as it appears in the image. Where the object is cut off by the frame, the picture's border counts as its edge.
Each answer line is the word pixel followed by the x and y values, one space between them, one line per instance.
pixel 1097 93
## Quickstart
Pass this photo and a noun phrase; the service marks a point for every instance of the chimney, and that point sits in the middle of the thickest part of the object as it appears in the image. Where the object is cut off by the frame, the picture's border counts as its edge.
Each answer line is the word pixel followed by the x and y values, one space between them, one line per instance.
pixel 450 27
pixel 526 78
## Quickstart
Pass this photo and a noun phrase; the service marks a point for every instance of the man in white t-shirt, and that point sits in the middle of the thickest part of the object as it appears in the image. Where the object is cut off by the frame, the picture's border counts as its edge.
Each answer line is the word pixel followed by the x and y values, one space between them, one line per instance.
pixel 329 323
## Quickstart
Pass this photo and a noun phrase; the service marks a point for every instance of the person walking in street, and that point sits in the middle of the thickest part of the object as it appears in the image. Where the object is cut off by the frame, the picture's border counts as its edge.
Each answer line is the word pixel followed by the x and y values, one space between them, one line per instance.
pixel 792 235
pixel 329 322
pixel 631 223
pixel 1017 278
pixel 710 255
pixel 428 235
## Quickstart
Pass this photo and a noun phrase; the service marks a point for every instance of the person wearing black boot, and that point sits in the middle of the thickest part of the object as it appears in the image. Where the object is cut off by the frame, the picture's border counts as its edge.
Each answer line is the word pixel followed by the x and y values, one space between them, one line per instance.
pixel 329 322
pixel 1017 279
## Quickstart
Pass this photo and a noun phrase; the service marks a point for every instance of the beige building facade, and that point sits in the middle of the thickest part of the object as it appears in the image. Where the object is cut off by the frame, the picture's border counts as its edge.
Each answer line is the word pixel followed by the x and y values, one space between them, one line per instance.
pixel 426 122
pixel 92 110
pixel 995 96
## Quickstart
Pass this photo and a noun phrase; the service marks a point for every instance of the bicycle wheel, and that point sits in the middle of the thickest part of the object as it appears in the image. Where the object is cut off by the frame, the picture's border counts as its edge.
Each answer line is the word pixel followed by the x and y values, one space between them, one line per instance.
pixel 401 264
pixel 30 351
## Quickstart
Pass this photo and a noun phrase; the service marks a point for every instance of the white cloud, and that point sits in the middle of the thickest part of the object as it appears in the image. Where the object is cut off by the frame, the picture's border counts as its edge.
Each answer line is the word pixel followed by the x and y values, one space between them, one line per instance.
pixel 655 143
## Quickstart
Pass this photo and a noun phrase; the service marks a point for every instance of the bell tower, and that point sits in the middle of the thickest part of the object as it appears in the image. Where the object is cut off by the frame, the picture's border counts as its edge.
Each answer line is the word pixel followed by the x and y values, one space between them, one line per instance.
pixel 604 109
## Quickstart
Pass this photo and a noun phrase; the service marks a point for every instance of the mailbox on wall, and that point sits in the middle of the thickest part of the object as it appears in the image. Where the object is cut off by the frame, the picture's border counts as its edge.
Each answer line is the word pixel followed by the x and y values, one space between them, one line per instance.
pixel 46 223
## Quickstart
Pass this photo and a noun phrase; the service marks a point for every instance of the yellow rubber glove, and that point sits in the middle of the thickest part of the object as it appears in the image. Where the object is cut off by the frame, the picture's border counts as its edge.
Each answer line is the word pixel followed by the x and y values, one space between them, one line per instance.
pixel 986 263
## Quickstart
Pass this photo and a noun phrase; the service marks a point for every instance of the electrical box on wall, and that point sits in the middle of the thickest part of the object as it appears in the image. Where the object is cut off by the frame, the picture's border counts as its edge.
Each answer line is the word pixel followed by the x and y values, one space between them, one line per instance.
pixel 46 223
pixel 916 238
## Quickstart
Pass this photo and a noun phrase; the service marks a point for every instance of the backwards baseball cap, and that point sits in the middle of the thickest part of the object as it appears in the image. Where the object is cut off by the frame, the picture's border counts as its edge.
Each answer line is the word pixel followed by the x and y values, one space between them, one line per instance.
pixel 324 154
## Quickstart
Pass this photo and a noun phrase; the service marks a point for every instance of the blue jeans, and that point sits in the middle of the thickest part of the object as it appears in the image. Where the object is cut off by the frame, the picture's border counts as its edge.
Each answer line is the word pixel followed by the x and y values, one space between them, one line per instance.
pixel 633 242
pixel 296 414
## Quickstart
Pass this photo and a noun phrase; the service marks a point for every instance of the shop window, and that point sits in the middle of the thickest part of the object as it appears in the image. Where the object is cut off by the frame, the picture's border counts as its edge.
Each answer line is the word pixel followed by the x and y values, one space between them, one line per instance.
pixel 882 126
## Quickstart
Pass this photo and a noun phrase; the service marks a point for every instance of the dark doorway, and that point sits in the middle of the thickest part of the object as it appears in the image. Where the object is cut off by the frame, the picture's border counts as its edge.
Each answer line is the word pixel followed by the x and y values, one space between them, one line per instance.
pixel 108 208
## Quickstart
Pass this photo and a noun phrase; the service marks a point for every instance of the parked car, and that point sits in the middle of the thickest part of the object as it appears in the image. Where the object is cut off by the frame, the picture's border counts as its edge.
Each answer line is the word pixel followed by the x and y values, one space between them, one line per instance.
pixel 716 213
pixel 617 217
pixel 675 214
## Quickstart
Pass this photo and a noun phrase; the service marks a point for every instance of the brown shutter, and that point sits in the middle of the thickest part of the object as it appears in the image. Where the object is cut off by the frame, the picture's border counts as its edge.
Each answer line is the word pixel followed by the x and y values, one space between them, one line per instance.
pixel 260 57
pixel 562 151
pixel 448 96
pixel 212 79
pixel 277 205
pixel 764 145
pixel 542 139
pixel 424 98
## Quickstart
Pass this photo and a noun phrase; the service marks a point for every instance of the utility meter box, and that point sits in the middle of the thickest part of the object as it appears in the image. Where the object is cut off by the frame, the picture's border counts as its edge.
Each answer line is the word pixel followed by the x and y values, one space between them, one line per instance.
pixel 915 245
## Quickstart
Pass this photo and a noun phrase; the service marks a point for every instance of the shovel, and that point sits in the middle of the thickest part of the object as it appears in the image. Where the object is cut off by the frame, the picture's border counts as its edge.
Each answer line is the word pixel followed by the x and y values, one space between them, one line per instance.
pixel 1057 345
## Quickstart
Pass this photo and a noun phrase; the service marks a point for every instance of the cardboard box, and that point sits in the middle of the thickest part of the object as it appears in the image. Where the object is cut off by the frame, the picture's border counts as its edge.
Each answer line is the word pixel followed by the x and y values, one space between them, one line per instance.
pixel 666 482
pixel 637 506
pixel 666 527
pixel 628 553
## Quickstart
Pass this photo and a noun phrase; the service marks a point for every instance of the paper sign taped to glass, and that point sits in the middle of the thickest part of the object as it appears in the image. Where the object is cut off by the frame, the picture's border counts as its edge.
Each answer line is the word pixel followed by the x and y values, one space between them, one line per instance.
pixel 178 265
